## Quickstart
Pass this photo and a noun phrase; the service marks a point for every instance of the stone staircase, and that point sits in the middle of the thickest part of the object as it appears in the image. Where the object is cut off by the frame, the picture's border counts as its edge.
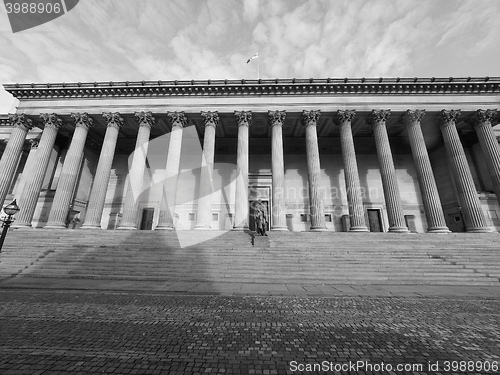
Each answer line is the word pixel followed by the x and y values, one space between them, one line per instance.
pixel 305 258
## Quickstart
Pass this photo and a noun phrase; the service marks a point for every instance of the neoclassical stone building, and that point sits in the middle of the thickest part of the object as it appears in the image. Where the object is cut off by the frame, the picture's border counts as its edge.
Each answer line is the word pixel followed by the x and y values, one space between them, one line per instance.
pixel 385 154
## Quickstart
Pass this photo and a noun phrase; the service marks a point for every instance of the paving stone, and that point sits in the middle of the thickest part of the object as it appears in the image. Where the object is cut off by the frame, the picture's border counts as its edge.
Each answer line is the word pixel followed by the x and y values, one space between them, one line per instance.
pixel 127 332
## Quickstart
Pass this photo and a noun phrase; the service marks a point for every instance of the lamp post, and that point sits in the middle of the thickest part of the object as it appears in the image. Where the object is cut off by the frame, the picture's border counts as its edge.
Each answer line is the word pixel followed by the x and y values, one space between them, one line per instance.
pixel 10 210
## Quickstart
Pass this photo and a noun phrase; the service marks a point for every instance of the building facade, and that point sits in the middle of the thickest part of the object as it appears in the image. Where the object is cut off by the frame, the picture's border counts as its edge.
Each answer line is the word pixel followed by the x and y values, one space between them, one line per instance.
pixel 382 155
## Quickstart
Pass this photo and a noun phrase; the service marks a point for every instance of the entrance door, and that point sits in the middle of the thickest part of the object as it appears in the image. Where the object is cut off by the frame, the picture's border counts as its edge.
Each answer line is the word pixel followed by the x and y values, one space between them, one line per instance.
pixel 456 222
pixel 374 220
pixel 147 218
pixel 251 219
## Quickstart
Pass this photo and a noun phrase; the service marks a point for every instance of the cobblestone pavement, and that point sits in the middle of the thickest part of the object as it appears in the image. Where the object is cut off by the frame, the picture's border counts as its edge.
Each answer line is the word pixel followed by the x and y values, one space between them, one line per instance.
pixel 88 332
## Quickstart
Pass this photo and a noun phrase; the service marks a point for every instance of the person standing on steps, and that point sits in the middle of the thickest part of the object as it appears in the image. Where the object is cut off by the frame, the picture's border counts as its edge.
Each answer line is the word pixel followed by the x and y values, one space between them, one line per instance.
pixel 261 218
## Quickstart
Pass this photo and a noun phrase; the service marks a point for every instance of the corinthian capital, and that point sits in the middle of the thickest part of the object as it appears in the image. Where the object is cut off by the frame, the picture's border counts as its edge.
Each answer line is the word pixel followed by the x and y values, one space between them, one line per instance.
pixel 310 117
pixel 448 117
pixel 345 116
pixel 210 118
pixel 177 118
pixel 83 120
pixel 21 121
pixel 145 119
pixel 483 117
pixel 413 117
pixel 113 119
pixel 276 117
pixel 378 117
pixel 243 118
pixel 51 120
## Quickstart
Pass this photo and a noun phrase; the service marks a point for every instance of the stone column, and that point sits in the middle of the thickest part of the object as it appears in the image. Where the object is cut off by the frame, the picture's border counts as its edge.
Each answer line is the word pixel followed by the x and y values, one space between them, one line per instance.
pixel 101 180
pixel 436 222
pixel 169 192
pixel 136 173
pixel 388 172
pixel 244 120
pixel 467 195
pixel 33 185
pixel 316 204
pixel 31 145
pixel 10 157
pixel 489 145
pixel 277 119
pixel 353 187
pixel 203 216
pixel 69 173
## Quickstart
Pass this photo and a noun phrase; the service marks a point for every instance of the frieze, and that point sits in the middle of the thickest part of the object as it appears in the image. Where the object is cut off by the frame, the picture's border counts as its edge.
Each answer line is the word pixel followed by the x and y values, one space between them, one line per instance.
pixel 326 86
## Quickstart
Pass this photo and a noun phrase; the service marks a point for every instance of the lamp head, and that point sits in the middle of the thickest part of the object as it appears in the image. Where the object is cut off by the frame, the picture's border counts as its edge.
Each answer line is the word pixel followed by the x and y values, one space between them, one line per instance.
pixel 12 208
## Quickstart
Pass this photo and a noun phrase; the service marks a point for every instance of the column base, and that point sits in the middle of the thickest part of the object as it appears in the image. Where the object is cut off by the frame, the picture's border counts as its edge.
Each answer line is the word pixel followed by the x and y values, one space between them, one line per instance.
pixel 399 230
pixel 479 230
pixel 438 230
pixel 280 229
pixel 127 227
pixel 359 229
pixel 21 225
pixel 55 226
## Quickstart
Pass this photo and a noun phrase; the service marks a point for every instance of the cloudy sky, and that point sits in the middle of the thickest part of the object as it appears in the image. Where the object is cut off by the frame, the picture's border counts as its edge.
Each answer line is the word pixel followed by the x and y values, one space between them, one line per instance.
pixel 113 40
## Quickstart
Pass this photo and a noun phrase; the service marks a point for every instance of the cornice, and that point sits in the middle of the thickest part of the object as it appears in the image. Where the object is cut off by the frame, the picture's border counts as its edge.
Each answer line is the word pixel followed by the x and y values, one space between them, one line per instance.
pixel 327 86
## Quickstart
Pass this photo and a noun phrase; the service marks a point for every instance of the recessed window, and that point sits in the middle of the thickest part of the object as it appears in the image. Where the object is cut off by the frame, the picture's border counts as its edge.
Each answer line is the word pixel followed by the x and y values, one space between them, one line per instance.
pixel 492 214
pixel 328 218
pixel 191 216
pixel 304 218
pixel 215 217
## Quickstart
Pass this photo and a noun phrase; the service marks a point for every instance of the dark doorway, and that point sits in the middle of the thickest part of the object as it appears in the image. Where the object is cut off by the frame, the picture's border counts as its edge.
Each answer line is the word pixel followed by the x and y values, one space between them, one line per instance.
pixel 147 218
pixel 251 210
pixel 456 222
pixel 375 220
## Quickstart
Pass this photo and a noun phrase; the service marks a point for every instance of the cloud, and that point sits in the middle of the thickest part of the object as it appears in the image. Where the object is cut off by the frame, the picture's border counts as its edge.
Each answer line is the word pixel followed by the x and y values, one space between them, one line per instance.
pixel 202 39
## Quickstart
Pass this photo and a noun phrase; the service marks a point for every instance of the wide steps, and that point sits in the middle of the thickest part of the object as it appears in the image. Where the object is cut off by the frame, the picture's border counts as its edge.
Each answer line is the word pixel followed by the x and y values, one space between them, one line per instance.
pixel 327 258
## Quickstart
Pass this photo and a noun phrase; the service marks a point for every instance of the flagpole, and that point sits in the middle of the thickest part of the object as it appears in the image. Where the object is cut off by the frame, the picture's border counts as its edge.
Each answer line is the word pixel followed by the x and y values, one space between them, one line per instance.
pixel 258 68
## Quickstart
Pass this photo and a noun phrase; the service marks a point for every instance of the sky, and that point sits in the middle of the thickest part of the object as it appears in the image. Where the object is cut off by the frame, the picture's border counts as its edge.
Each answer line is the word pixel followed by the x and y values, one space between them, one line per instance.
pixel 135 40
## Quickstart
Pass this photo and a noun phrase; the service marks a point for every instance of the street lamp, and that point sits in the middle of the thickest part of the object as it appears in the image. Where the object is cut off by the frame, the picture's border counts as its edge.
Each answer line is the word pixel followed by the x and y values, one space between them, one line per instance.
pixel 10 210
